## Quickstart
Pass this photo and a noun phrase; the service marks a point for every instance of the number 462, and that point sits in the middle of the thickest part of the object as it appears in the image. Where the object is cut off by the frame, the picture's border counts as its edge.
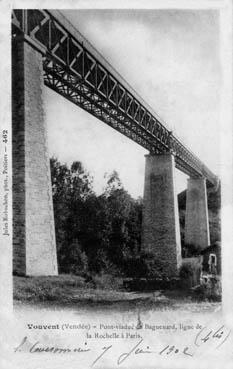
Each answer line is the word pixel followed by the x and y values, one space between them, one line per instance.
pixel 5 136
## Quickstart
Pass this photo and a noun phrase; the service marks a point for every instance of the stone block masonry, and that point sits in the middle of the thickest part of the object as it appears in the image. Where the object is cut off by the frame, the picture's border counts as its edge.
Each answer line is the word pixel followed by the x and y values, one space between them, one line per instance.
pixel 196 217
pixel 160 227
pixel 34 245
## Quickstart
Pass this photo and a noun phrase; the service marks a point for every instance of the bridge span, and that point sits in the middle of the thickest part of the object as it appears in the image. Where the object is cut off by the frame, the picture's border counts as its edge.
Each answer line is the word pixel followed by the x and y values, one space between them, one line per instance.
pixel 47 49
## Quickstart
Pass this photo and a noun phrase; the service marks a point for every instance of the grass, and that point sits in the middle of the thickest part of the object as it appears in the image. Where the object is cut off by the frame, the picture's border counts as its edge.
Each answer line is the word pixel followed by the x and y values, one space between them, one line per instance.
pixel 69 290
pixel 102 291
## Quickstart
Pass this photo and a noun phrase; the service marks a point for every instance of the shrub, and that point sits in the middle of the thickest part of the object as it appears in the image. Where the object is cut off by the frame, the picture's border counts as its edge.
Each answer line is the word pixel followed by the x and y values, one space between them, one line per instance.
pixel 75 261
pixel 210 291
pixel 190 250
pixel 186 271
pixel 153 268
pixel 107 281
pixel 100 263
pixel 145 266
pixel 190 272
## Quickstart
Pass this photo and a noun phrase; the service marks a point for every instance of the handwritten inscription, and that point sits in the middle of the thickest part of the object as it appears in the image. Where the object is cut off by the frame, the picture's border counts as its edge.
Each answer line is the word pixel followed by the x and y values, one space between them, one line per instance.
pixel 38 347
pixel 217 337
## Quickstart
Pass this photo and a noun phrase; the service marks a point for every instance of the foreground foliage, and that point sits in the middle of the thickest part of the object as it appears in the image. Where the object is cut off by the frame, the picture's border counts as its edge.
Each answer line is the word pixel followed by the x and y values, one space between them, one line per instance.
pixel 94 233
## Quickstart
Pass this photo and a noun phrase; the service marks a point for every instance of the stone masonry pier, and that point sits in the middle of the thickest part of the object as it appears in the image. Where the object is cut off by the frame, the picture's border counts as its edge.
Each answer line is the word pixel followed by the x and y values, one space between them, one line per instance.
pixel 160 229
pixel 34 246
pixel 196 217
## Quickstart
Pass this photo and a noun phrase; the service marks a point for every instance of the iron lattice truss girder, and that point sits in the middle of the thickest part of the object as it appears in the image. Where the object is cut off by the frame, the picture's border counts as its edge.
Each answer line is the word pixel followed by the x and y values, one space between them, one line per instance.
pixel 83 77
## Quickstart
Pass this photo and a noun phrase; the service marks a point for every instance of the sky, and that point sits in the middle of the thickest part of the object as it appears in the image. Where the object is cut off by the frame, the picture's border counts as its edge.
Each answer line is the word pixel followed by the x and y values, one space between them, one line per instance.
pixel 171 58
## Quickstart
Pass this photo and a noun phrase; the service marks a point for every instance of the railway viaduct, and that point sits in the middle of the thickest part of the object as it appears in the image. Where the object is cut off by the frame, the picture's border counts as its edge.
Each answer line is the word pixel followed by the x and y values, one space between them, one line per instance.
pixel 48 50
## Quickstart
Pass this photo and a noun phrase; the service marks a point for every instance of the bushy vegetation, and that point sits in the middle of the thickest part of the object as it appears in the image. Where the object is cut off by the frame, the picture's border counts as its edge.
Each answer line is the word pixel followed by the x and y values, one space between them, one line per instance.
pixel 190 250
pixel 210 291
pixel 190 272
pixel 94 233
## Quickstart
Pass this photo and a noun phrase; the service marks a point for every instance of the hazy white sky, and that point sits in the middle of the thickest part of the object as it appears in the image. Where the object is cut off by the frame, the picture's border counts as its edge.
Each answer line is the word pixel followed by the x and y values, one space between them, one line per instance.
pixel 171 58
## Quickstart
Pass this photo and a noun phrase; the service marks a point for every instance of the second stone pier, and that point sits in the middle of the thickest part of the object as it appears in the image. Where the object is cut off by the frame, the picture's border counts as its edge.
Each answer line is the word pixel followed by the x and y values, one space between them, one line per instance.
pixel 160 227
pixel 196 218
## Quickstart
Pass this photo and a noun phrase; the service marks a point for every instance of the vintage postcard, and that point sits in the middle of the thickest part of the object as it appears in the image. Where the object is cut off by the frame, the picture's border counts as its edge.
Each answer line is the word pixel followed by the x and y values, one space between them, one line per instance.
pixel 116 184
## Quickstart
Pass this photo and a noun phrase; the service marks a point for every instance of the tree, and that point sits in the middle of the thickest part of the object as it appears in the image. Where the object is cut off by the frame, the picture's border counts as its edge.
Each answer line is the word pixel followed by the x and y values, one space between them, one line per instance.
pixel 113 183
pixel 124 219
pixel 73 259
pixel 94 233
pixel 60 175
pixel 70 188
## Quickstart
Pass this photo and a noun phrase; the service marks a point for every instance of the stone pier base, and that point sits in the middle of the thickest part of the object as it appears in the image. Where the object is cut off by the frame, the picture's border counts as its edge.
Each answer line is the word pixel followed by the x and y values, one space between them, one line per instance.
pixel 160 227
pixel 196 218
pixel 34 246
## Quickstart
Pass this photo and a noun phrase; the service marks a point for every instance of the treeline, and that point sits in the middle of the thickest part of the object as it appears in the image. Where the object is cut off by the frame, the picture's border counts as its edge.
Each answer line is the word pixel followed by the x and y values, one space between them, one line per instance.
pixel 95 233
pixel 102 233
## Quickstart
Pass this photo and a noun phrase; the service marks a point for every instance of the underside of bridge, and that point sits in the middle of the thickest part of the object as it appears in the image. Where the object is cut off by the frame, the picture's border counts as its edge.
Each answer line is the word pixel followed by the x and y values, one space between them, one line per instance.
pixel 47 50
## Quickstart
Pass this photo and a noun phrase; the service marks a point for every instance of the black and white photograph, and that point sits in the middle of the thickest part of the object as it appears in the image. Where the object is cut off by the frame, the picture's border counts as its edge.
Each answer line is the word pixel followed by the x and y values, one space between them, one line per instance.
pixel 116 185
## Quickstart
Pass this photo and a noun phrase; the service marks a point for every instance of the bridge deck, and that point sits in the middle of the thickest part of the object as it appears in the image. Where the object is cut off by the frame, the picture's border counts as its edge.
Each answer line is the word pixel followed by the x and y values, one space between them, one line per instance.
pixel 75 69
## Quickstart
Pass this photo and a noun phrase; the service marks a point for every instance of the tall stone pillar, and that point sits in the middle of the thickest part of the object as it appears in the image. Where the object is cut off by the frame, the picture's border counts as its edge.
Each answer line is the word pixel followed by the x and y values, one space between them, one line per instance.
pixel 196 217
pixel 160 226
pixel 34 246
